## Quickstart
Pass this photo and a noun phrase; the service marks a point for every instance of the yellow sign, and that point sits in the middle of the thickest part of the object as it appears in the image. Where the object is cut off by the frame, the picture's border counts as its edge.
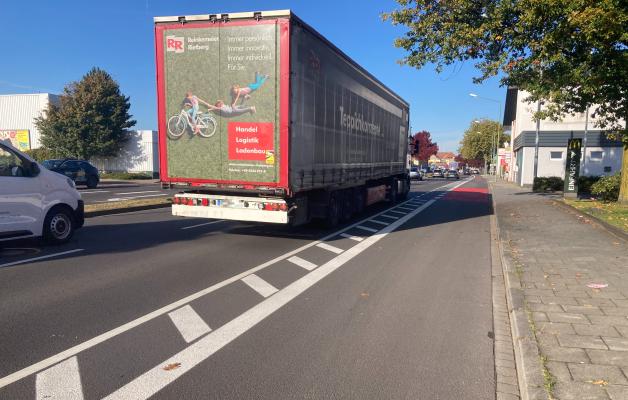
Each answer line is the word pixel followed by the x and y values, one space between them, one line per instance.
pixel 270 157
pixel 20 138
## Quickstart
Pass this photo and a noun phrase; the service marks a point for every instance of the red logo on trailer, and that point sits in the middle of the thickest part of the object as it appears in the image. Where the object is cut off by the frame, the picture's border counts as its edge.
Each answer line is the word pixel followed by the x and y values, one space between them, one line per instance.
pixel 175 43
pixel 251 141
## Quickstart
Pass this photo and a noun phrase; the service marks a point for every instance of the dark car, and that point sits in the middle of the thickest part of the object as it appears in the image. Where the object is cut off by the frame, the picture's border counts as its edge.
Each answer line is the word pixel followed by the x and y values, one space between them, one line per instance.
pixel 80 171
pixel 452 173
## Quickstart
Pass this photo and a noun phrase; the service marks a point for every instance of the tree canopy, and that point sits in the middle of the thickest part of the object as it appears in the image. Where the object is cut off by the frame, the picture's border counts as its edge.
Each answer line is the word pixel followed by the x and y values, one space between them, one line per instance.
pixel 478 142
pixel 426 147
pixel 91 119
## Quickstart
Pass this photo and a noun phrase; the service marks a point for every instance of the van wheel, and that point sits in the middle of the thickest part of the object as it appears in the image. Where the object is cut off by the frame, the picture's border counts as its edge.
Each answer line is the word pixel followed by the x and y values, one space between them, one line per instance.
pixel 92 182
pixel 58 225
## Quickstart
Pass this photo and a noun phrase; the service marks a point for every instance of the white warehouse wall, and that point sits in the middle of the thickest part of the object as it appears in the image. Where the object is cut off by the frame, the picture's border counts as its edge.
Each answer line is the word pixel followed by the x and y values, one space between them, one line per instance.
pixel 140 154
pixel 18 111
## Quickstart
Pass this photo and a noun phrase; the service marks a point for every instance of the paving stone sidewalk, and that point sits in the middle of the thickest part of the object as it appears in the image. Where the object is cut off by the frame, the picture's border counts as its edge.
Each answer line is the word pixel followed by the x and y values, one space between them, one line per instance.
pixel 582 332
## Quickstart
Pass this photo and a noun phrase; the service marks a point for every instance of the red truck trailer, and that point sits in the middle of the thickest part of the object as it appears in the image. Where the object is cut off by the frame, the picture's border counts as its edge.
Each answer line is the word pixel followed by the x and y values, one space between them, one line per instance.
pixel 263 119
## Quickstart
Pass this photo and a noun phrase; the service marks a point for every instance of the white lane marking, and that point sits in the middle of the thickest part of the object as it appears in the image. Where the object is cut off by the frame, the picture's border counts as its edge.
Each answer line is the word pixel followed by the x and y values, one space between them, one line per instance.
pixel 397 212
pixel 352 237
pixel 93 191
pixel 379 222
pixel 152 381
pixel 203 224
pixel 302 263
pixel 389 216
pixel 189 323
pixel 329 247
pixel 47 362
pixel 259 285
pixel 40 258
pixel 145 191
pixel 63 381
pixel 406 208
pixel 133 197
pixel 366 228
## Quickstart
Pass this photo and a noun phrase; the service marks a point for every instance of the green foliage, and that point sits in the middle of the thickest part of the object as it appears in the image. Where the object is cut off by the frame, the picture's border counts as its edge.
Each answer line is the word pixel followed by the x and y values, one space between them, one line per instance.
pixel 548 184
pixel 40 154
pixel 607 188
pixel 572 52
pixel 91 119
pixel 585 183
pixel 478 142
pixel 126 175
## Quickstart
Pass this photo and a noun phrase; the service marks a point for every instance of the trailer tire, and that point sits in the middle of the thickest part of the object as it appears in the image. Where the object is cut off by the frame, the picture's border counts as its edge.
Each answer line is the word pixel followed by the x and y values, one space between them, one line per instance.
pixel 393 194
pixel 358 198
pixel 333 211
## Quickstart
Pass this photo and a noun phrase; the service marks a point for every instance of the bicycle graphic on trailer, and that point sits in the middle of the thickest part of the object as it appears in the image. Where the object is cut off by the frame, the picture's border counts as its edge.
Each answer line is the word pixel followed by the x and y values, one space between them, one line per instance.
pixel 182 122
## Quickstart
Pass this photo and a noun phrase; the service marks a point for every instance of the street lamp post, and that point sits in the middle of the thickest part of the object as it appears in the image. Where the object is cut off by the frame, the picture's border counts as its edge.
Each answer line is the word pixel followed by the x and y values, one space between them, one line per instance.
pixel 494 139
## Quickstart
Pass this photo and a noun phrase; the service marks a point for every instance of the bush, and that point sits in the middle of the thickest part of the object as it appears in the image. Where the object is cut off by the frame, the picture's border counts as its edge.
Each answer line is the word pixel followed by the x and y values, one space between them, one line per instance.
pixel 545 184
pixel 585 183
pixel 40 154
pixel 607 188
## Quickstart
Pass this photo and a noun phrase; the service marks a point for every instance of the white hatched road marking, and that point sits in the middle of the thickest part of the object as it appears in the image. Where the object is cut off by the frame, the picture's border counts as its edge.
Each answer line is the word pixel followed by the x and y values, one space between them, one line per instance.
pixel 366 228
pixel 145 191
pixel 40 258
pixel 379 222
pixel 302 263
pixel 152 381
pixel 352 237
pixel 189 323
pixel 329 247
pixel 93 191
pixel 397 212
pixel 203 224
pixel 54 359
pixel 406 208
pixel 259 285
pixel 389 216
pixel 62 381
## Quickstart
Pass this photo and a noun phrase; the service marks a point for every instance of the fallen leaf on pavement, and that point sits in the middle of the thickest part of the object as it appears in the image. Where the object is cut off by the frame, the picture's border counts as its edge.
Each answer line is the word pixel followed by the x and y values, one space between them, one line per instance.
pixel 597 285
pixel 172 366
pixel 364 294
pixel 600 382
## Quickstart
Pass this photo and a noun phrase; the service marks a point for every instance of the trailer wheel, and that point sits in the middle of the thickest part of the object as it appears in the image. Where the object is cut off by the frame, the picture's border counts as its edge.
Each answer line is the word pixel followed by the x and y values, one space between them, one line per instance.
pixel 333 211
pixel 358 198
pixel 392 196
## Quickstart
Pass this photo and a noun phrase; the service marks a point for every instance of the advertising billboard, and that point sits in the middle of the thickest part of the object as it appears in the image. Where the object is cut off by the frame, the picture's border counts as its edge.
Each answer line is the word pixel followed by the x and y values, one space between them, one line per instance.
pixel 219 91
pixel 20 138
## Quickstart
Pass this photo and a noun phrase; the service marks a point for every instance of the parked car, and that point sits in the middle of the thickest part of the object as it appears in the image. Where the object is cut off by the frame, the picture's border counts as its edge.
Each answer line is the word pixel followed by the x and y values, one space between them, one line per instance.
pixel 80 171
pixel 452 173
pixel 415 174
pixel 438 173
pixel 35 201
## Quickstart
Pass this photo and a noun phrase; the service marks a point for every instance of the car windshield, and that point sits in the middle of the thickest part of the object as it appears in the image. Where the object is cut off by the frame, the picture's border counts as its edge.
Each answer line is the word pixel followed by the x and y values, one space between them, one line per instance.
pixel 414 169
pixel 49 164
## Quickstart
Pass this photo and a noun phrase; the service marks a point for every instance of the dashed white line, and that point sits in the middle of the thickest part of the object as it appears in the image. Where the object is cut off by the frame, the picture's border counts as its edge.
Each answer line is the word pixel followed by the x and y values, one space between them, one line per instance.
pixel 62 381
pixel 40 258
pixel 145 191
pixel 93 191
pixel 259 285
pixel 189 323
pixel 366 228
pixel 302 263
pixel 203 224
pixel 329 247
pixel 352 237
pixel 133 197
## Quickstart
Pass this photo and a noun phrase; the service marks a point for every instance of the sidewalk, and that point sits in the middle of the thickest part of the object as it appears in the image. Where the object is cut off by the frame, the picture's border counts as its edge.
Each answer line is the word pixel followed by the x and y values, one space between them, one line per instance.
pixel 581 332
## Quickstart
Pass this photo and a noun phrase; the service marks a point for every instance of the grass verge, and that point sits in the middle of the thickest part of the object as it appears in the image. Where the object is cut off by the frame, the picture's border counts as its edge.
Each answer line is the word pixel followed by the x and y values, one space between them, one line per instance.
pixel 126 204
pixel 612 213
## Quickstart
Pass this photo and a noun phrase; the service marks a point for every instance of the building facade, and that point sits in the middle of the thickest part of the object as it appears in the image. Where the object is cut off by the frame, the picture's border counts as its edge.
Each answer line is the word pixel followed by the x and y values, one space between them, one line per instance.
pixel 601 157
pixel 17 117
pixel 140 154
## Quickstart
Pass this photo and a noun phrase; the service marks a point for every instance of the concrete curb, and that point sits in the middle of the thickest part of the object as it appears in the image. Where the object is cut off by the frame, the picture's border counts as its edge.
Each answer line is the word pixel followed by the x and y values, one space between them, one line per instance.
pixel 618 233
pixel 527 355
pixel 91 214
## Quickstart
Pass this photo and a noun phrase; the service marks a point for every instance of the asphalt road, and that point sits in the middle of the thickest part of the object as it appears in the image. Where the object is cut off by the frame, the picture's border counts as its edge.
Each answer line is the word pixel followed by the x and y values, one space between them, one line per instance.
pixel 396 304
pixel 117 191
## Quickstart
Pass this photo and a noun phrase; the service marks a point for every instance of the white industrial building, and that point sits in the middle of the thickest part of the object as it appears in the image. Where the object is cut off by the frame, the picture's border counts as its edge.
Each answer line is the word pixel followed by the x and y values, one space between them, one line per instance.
pixel 17 123
pixel 602 156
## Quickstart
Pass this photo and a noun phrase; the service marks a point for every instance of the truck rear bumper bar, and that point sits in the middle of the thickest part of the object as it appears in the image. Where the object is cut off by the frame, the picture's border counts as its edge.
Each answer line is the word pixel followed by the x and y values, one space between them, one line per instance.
pixel 253 209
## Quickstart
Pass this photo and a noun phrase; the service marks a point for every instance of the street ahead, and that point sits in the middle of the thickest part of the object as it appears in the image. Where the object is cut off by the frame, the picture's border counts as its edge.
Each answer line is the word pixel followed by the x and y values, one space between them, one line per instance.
pixel 394 305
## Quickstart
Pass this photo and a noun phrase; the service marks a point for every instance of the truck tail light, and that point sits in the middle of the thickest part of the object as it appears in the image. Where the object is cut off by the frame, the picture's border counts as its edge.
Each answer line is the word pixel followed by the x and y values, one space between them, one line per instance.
pixel 283 207
pixel 190 201
pixel 205 202
pixel 175 200
pixel 268 207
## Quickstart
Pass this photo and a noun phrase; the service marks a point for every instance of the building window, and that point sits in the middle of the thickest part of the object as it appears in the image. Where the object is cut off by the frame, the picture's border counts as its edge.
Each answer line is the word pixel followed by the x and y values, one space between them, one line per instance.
pixel 597 155
pixel 556 155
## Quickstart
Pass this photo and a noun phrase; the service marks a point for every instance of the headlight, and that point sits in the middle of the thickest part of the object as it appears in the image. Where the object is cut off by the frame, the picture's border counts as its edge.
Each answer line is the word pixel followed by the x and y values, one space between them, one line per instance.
pixel 71 183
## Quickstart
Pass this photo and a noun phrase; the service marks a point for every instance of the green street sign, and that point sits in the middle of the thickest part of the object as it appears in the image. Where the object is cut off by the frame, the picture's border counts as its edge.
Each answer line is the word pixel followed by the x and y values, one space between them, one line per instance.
pixel 572 167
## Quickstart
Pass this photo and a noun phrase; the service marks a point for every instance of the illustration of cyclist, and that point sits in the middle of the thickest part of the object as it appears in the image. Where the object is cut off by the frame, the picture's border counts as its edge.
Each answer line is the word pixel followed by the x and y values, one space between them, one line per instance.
pixel 190 104
pixel 244 93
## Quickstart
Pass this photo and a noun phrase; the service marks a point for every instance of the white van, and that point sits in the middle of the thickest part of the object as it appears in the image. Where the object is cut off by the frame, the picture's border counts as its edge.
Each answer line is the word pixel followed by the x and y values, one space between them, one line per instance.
pixel 35 201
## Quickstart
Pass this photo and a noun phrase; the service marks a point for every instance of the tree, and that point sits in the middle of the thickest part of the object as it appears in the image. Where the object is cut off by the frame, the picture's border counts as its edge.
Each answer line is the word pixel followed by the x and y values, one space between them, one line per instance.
pixel 478 142
pixel 570 52
pixel 427 148
pixel 90 120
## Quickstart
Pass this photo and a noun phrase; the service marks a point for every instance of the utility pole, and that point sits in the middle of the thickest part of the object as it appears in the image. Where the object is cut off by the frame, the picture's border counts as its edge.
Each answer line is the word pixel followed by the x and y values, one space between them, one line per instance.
pixel 536 141
pixel 584 143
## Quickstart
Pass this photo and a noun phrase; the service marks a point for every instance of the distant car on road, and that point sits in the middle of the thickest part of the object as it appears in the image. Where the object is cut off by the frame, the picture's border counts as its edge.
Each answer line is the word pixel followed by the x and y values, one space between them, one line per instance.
pixel 415 174
pixel 80 171
pixel 438 173
pixel 452 173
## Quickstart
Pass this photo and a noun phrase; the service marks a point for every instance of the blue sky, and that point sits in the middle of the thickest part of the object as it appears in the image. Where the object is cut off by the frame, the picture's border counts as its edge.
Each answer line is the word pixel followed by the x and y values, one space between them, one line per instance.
pixel 47 44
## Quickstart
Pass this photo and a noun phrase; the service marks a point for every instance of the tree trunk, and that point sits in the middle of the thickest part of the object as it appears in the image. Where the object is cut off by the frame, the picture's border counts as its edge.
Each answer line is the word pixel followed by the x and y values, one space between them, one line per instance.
pixel 623 188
